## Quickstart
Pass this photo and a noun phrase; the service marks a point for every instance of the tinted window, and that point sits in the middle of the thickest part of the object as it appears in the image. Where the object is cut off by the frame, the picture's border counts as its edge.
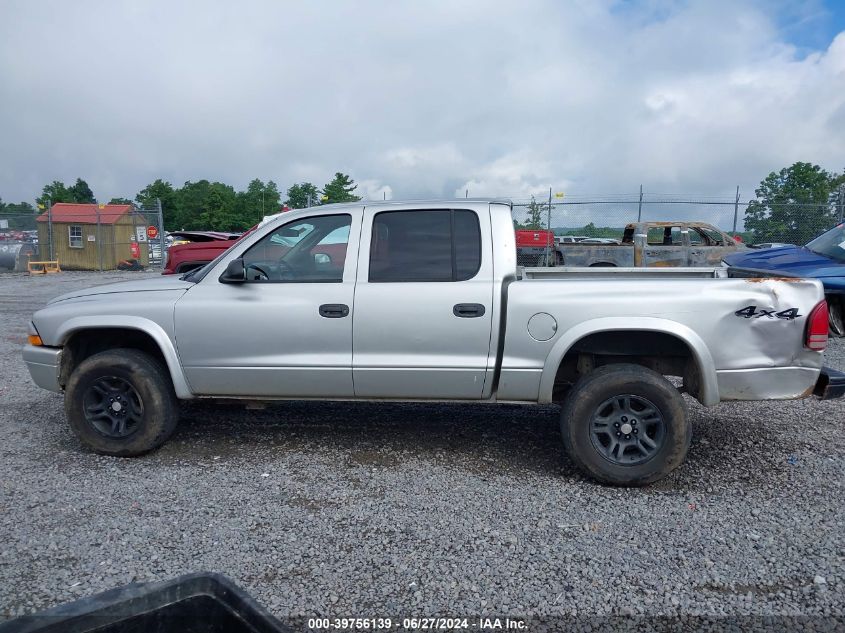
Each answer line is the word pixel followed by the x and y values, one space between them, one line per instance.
pixel 436 245
pixel 467 236
pixel 309 250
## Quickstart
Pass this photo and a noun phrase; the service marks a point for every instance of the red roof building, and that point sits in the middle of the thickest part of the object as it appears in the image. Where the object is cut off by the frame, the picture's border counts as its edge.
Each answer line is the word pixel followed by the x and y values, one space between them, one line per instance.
pixel 85 213
pixel 93 236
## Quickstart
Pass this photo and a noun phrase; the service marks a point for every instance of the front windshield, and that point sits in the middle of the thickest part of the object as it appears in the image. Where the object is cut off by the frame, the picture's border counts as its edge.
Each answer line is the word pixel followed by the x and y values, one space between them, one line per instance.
pixel 830 244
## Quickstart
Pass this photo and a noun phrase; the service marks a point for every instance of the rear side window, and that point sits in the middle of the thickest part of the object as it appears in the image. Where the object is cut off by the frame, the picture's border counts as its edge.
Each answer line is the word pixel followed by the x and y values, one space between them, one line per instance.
pixel 431 245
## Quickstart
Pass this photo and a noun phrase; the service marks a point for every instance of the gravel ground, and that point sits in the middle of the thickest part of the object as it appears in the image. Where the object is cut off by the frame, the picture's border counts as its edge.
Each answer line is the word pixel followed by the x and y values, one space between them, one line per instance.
pixel 398 509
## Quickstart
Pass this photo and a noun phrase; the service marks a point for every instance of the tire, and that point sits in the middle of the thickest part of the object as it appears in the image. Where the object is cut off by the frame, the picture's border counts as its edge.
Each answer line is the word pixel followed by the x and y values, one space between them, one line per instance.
pixel 593 408
pixel 836 316
pixel 558 259
pixel 121 403
pixel 602 265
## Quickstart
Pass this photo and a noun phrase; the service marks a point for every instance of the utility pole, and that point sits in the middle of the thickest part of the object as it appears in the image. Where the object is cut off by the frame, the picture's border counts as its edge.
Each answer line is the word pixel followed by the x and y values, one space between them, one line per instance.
pixel 640 207
pixel 308 202
pixel 736 208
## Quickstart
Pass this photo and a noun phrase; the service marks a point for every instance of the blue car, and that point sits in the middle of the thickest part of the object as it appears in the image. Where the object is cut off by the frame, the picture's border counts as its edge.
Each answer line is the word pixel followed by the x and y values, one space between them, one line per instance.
pixel 822 259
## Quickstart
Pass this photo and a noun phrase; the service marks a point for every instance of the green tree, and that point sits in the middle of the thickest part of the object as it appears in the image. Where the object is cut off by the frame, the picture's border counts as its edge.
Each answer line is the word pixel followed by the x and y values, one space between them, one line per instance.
pixel 209 206
pixel 190 200
pixel 298 195
pixel 218 210
pixel 57 192
pixel 53 193
pixel 535 215
pixel 163 191
pixel 258 200
pixel 20 216
pixel 792 205
pixel 340 190
pixel 81 192
pixel 120 201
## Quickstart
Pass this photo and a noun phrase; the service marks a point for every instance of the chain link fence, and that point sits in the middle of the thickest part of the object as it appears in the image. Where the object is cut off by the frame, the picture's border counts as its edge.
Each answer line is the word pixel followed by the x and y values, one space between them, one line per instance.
pixel 84 237
pixel 105 237
pixel 603 220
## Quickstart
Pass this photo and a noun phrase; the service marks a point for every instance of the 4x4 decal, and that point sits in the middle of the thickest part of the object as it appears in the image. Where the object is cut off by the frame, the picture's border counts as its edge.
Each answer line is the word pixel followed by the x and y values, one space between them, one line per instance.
pixel 751 312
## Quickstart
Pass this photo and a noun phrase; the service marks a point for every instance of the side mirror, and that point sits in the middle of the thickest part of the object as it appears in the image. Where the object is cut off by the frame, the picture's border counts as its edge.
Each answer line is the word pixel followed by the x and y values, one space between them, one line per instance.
pixel 234 273
pixel 321 259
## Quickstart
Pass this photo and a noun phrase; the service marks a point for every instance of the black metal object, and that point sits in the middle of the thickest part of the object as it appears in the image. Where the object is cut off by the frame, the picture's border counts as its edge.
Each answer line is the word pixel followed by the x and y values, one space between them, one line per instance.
pixel 468 310
pixel 831 384
pixel 627 429
pixel 113 407
pixel 194 603
pixel 334 310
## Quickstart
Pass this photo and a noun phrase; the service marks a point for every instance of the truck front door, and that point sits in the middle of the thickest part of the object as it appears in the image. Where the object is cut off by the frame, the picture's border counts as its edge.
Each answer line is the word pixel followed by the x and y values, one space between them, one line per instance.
pixel 287 330
pixel 708 246
pixel 423 305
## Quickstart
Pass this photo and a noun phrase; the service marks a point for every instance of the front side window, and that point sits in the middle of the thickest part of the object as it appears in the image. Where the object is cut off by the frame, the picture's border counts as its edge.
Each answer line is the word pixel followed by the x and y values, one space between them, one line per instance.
pixel 709 237
pixel 74 232
pixel 433 245
pixel 311 250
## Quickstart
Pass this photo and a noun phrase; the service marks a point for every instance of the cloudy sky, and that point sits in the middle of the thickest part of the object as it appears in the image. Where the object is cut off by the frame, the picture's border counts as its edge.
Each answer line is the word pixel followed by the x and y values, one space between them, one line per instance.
pixel 423 98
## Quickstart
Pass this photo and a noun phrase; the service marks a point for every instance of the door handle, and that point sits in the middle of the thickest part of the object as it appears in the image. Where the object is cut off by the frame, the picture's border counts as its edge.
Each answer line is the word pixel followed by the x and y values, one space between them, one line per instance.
pixel 334 310
pixel 468 310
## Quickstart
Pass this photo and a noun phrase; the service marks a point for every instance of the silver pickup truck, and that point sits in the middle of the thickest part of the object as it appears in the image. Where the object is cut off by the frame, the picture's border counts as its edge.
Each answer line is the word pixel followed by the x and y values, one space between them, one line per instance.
pixel 424 301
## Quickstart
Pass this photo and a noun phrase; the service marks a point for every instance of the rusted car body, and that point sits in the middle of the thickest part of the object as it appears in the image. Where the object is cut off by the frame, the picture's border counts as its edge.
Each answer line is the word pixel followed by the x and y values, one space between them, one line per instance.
pixel 654 244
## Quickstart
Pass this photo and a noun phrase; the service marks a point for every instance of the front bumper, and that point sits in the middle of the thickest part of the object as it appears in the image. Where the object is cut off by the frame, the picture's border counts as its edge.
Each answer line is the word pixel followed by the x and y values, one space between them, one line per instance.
pixel 43 364
pixel 831 384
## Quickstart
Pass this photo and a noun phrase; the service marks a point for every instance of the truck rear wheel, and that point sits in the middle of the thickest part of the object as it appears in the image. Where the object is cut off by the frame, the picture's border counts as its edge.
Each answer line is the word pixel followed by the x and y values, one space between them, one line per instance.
pixel 625 425
pixel 121 402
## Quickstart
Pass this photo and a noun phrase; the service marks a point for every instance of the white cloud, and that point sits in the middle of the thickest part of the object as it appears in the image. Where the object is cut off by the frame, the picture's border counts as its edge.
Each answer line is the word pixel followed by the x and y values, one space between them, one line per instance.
pixel 433 98
pixel 374 190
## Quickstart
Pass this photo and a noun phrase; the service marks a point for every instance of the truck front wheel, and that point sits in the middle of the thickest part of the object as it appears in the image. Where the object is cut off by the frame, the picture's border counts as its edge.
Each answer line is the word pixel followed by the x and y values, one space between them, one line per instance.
pixel 625 425
pixel 121 402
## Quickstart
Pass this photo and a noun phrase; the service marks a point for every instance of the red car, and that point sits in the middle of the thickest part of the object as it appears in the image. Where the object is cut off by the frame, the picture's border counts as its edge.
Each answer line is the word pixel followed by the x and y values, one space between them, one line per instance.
pixel 199 249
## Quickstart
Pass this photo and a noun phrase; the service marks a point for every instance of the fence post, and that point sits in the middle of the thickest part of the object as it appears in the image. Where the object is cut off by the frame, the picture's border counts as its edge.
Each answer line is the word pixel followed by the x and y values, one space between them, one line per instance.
pixel 549 228
pixel 99 241
pixel 160 233
pixel 50 227
pixel 640 207
pixel 736 208
pixel 841 203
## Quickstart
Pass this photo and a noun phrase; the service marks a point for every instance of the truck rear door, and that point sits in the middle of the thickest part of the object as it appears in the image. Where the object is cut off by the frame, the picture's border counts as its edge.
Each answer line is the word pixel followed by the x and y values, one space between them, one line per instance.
pixel 423 304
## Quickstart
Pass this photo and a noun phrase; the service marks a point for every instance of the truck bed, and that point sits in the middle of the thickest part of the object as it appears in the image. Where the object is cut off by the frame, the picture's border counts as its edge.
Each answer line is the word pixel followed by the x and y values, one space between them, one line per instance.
pixel 598 272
